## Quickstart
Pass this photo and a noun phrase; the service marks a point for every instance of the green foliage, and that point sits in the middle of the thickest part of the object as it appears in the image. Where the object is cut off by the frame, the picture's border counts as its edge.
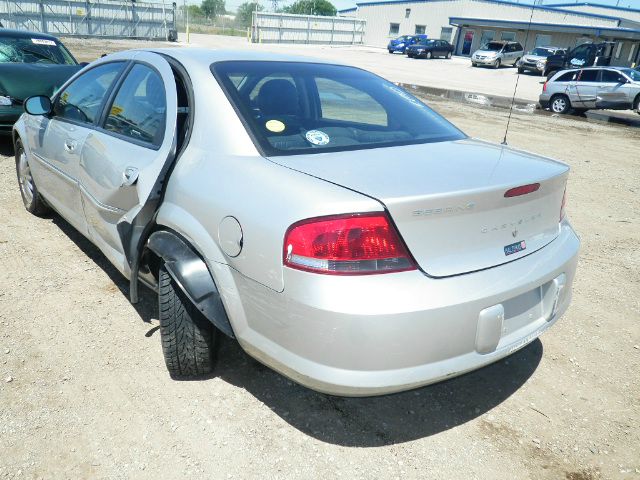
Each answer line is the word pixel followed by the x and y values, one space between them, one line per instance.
pixel 311 7
pixel 245 13
pixel 212 8
pixel 195 11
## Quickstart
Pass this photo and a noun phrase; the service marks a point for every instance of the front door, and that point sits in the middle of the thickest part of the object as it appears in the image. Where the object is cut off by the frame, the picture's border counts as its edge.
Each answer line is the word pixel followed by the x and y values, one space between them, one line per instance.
pixel 613 91
pixel 467 42
pixel 57 141
pixel 587 89
pixel 121 161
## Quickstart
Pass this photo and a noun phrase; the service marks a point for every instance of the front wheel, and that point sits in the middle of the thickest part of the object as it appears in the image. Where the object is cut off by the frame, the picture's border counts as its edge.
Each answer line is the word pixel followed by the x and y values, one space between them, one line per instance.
pixel 498 63
pixel 31 198
pixel 448 55
pixel 560 104
pixel 188 339
pixel 428 55
pixel 636 104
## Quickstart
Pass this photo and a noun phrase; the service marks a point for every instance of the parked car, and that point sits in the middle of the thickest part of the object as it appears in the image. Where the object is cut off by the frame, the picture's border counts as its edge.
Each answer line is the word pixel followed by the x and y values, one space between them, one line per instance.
pixel 496 54
pixel 401 43
pixel 615 88
pixel 427 48
pixel 30 64
pixel 343 232
pixel 585 55
pixel 536 60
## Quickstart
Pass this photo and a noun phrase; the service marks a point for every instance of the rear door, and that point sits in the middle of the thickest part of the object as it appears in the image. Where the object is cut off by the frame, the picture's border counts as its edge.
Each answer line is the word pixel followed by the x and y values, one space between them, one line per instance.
pixel 587 88
pixel 613 91
pixel 124 160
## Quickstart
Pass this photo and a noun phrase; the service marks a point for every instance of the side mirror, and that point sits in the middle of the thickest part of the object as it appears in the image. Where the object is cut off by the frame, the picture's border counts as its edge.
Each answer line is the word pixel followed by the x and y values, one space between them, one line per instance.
pixel 38 105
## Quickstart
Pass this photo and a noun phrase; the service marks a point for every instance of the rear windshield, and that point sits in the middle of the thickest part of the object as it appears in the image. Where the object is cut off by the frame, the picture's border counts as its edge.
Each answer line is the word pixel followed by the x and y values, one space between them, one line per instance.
pixel 298 108
pixel 33 50
pixel 493 46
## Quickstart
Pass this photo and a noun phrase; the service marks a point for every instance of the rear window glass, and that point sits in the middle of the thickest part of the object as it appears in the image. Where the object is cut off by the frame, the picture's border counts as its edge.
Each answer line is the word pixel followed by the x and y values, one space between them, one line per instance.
pixel 567 77
pixel 589 76
pixel 298 108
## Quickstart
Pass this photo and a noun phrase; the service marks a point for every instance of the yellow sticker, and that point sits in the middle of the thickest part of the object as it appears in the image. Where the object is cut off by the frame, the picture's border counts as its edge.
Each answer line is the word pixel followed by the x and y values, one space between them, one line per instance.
pixel 274 126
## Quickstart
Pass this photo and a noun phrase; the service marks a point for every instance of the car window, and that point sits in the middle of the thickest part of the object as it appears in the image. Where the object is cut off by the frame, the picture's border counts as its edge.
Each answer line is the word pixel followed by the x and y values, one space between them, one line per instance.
pixel 589 76
pixel 34 50
pixel 567 77
pixel 339 101
pixel 611 76
pixel 82 99
pixel 306 108
pixel 517 47
pixel 140 107
pixel 493 46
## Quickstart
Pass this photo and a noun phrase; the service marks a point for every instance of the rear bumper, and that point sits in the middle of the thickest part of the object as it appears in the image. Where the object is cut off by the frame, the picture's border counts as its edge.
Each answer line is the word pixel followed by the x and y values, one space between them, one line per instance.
pixel 379 334
pixel 544 100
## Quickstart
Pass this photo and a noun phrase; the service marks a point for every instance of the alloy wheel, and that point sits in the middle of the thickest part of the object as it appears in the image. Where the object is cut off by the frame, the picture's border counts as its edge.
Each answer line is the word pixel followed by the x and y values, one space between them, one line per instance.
pixel 559 105
pixel 25 179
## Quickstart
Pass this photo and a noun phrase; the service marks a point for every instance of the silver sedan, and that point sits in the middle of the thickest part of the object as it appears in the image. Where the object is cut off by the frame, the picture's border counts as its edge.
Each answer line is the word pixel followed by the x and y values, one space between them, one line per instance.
pixel 344 233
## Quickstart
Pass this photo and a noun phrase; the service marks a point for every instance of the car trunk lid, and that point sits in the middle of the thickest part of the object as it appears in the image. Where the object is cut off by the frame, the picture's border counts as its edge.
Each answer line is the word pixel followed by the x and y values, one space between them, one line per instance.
pixel 448 201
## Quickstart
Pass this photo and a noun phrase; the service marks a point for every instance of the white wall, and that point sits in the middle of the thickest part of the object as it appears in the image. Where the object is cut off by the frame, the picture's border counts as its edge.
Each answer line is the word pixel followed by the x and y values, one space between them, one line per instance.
pixel 435 15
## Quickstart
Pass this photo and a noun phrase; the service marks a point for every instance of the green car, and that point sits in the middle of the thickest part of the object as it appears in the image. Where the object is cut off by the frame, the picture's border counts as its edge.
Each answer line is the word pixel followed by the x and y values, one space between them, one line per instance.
pixel 30 64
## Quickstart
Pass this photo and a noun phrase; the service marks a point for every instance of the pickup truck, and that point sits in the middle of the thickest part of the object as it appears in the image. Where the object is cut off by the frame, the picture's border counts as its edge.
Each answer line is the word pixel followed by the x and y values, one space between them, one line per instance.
pixel 585 55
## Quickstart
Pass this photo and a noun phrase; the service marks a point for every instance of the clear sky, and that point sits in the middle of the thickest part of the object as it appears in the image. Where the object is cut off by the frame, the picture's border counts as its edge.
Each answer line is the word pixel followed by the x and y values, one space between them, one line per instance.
pixel 341 4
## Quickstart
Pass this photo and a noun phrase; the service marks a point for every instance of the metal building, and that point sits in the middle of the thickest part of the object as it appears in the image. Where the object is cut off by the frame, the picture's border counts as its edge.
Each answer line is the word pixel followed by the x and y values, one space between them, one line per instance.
pixel 468 24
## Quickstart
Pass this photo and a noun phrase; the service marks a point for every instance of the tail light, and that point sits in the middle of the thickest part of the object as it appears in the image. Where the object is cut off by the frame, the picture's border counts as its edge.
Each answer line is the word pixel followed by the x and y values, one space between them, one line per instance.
pixel 354 244
pixel 563 213
pixel 544 87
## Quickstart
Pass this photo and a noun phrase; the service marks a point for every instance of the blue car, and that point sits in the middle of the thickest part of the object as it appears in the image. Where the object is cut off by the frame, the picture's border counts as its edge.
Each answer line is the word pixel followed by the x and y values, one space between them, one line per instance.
pixel 401 43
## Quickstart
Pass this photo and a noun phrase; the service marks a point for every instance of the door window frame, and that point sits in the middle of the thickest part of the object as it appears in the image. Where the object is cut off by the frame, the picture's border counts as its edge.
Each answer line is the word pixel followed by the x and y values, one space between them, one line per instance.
pixel 108 100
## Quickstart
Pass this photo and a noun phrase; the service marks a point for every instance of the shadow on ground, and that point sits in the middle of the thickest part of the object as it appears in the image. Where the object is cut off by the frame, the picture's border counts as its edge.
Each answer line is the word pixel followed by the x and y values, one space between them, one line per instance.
pixel 6 146
pixel 354 422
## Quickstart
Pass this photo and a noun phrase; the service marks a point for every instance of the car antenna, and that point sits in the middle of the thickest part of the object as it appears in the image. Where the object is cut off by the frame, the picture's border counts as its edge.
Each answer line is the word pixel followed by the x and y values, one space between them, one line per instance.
pixel 515 89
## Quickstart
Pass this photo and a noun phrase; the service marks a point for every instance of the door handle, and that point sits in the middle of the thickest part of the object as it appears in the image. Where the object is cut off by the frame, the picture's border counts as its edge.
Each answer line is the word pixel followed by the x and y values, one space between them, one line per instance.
pixel 129 176
pixel 70 145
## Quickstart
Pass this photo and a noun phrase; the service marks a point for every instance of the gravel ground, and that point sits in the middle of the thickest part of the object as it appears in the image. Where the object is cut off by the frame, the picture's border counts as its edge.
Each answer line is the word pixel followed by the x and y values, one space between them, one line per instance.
pixel 84 392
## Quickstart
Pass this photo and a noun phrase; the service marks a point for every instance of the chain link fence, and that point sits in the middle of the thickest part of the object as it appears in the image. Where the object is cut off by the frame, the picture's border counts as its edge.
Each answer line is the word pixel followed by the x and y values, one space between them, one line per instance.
pixel 85 18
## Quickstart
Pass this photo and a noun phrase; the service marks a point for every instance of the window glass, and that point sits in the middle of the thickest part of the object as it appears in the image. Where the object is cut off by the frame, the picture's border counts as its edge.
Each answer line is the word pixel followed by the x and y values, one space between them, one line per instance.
pixel 611 76
pixel 445 33
pixel 81 101
pixel 494 46
pixel 420 29
pixel 34 50
pixel 487 36
pixel 543 40
pixel 339 101
pixel 394 28
pixel 302 108
pixel 568 77
pixel 589 76
pixel 139 109
pixel 508 36
pixel 407 13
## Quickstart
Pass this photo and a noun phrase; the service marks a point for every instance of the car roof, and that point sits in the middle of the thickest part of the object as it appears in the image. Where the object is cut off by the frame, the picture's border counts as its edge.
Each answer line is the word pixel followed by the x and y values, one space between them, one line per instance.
pixel 7 32
pixel 209 56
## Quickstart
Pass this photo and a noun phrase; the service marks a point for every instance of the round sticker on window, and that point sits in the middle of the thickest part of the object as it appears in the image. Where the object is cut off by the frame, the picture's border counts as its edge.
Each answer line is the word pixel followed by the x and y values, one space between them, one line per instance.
pixel 317 137
pixel 275 126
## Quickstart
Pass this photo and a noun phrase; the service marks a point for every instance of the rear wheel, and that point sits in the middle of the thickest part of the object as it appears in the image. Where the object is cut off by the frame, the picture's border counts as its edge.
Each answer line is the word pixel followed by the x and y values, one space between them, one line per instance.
pixel 31 198
pixel 636 104
pixel 560 104
pixel 520 70
pixel 428 55
pixel 188 339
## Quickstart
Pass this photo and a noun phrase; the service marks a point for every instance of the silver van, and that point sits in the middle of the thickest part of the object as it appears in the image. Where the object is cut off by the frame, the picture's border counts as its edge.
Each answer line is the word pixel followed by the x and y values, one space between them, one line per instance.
pixel 615 88
pixel 496 54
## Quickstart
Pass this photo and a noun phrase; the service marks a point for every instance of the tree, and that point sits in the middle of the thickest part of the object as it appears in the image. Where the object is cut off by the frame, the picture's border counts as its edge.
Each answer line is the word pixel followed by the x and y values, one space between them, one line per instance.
pixel 245 12
pixel 212 8
pixel 312 7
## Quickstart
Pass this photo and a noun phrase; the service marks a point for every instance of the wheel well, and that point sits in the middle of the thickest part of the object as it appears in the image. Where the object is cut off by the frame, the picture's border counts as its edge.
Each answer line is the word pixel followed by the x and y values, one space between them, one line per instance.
pixel 636 102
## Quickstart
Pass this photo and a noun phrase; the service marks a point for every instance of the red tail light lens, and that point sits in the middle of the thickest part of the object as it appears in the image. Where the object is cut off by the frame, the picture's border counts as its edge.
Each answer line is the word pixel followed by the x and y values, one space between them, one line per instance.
pixel 356 244
pixel 522 190
pixel 564 202
pixel 544 87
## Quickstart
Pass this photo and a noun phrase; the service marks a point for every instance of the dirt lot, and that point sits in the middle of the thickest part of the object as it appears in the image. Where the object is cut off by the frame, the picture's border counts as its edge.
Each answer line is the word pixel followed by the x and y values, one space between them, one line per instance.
pixel 84 392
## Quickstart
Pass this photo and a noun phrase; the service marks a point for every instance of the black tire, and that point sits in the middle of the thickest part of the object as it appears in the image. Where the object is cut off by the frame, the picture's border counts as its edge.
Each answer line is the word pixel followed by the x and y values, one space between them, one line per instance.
pixel 474 64
pixel 428 55
pixel 498 63
pixel 520 70
pixel 188 339
pixel 31 198
pixel 560 104
pixel 391 52
pixel 448 55
pixel 515 64
pixel 636 104
pixel 410 55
